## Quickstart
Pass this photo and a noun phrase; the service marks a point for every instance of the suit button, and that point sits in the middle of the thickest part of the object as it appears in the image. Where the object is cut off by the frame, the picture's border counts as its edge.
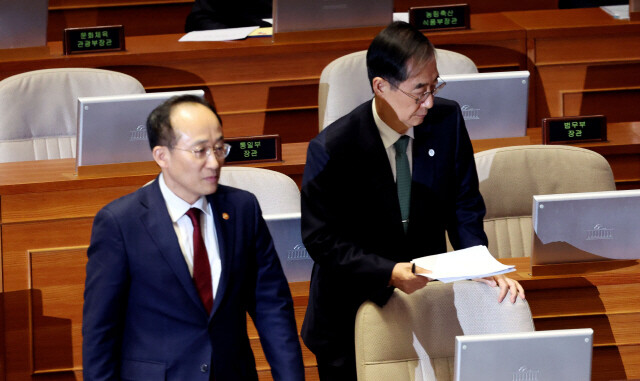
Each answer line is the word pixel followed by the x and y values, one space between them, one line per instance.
pixel 204 368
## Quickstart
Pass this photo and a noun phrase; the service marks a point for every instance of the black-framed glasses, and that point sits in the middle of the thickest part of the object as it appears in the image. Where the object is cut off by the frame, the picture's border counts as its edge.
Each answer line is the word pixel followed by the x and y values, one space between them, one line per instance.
pixel 422 98
pixel 220 152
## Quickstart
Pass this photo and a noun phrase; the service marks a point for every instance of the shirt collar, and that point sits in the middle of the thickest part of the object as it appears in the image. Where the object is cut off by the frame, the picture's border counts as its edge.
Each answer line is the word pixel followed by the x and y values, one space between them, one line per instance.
pixel 389 135
pixel 176 206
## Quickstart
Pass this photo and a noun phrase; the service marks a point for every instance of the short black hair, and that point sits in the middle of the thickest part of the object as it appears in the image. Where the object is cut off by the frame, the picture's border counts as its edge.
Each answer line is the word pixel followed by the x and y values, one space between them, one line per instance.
pixel 392 50
pixel 159 128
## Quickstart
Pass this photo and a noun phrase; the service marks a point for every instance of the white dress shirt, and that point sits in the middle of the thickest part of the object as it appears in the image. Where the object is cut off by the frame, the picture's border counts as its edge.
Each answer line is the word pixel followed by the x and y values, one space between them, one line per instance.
pixel 183 227
pixel 389 137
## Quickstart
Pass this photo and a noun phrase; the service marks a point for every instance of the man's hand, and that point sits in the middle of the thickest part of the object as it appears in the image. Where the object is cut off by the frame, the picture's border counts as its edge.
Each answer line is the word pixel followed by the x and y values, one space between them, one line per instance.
pixel 403 278
pixel 505 284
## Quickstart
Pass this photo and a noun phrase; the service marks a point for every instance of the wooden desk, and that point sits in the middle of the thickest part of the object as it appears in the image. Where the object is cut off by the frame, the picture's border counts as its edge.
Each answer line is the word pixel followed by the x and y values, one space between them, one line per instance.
pixel 261 86
pixel 583 62
pixel 46 212
pixel 607 301
pixel 140 17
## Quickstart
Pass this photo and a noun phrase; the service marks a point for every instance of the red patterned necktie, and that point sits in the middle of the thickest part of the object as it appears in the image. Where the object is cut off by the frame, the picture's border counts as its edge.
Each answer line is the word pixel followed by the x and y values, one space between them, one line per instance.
pixel 201 268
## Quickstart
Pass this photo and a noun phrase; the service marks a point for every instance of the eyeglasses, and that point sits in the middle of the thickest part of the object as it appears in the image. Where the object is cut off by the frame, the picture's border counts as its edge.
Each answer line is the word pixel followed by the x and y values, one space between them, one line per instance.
pixel 220 152
pixel 422 98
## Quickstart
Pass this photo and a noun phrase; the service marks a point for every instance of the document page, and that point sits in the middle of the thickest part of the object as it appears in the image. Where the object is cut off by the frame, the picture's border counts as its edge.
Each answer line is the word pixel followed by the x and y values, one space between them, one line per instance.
pixel 219 34
pixel 470 263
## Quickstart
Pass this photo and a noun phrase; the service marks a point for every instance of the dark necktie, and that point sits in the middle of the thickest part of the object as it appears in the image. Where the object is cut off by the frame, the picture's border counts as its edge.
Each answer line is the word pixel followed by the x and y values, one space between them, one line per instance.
pixel 201 268
pixel 403 178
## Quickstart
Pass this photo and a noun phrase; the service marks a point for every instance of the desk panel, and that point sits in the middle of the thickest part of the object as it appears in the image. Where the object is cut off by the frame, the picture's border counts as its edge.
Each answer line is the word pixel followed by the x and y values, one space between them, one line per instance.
pixel 583 62
pixel 262 86
pixel 43 254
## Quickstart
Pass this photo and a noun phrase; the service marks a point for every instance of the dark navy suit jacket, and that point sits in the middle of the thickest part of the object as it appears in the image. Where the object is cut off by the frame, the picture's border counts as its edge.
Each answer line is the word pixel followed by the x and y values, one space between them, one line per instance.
pixel 351 222
pixel 143 319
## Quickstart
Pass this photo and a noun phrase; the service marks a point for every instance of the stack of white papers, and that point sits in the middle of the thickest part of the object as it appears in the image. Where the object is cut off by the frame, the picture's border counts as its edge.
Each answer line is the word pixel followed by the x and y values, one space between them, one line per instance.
pixel 473 262
pixel 228 34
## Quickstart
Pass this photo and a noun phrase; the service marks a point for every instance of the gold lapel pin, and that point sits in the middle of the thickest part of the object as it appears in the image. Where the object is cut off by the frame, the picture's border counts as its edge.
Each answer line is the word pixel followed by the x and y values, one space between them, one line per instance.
pixel 225 216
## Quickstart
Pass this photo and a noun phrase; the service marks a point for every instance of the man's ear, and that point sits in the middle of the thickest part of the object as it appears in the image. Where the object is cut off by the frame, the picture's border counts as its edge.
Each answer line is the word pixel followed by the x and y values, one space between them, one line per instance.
pixel 161 156
pixel 380 86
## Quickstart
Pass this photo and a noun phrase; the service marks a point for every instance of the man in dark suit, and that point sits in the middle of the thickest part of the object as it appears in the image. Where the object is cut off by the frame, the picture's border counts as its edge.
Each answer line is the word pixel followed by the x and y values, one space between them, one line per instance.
pixel 366 212
pixel 174 268
pixel 220 14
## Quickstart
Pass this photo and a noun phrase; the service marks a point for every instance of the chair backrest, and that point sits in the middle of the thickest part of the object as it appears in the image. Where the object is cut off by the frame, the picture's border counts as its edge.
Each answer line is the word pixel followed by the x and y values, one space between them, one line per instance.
pixel 511 176
pixel 41 122
pixel 276 192
pixel 344 82
pixel 413 336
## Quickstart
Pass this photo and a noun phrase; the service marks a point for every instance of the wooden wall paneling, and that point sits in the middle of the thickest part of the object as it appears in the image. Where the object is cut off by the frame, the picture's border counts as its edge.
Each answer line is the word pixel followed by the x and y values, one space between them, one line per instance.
pixel 73 203
pixel 611 329
pixel 262 86
pixel 580 49
pixel 57 286
pixel 37 304
pixel 615 363
pixel 626 170
pixel 137 19
pixel 618 104
pixel 606 301
pixel 612 44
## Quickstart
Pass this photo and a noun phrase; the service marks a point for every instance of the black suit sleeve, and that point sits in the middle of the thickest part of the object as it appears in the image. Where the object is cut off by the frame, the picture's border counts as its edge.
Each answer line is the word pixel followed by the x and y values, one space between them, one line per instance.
pixel 105 299
pixel 272 307
pixel 324 221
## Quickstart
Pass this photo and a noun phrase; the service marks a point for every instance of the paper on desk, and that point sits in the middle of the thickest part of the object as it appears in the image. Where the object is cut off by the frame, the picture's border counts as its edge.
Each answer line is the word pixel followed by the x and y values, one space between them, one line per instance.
pixel 620 12
pixel 401 16
pixel 219 34
pixel 470 263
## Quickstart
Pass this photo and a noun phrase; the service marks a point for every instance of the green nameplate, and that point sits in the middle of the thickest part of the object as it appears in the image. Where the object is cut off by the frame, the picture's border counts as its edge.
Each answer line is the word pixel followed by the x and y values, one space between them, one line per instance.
pixel 441 17
pixel 254 149
pixel 574 129
pixel 94 39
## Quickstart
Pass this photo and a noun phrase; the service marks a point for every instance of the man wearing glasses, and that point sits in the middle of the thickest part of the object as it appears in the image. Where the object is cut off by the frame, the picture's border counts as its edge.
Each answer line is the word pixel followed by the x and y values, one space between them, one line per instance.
pixel 381 186
pixel 174 268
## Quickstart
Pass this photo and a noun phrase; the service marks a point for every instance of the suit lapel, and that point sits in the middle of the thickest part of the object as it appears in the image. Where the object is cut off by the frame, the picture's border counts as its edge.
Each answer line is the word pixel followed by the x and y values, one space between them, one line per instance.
pixel 424 156
pixel 384 185
pixel 155 218
pixel 224 216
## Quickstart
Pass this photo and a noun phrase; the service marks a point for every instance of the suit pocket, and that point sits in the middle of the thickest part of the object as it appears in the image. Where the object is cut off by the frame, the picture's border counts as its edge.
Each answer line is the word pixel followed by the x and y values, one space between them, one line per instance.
pixel 142 370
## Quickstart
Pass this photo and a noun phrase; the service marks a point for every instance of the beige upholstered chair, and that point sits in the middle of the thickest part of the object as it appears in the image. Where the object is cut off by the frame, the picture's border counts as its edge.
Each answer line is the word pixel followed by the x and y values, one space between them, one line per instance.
pixel 277 193
pixel 344 83
pixel 38 109
pixel 412 337
pixel 511 176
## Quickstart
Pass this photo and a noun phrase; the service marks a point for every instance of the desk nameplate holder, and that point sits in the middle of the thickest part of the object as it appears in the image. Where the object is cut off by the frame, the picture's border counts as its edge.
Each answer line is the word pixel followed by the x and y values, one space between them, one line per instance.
pixel 574 129
pixel 440 17
pixel 95 39
pixel 254 149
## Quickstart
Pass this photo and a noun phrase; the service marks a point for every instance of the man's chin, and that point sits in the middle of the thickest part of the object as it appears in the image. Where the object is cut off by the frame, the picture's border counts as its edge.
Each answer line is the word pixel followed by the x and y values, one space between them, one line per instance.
pixel 417 119
pixel 209 189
